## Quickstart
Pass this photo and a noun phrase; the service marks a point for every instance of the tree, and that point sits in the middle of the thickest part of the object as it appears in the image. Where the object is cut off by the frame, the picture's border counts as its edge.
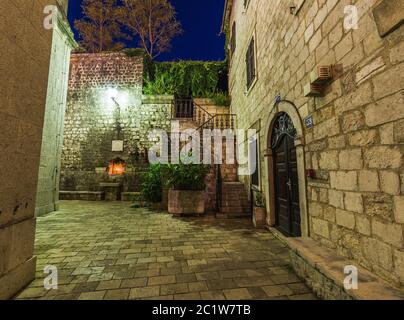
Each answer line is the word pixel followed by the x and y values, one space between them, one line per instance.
pixel 99 29
pixel 153 22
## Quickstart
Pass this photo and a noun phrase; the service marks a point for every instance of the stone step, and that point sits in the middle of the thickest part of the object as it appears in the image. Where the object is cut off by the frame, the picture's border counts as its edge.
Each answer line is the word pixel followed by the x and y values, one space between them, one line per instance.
pixel 223 215
pixel 323 271
pixel 237 210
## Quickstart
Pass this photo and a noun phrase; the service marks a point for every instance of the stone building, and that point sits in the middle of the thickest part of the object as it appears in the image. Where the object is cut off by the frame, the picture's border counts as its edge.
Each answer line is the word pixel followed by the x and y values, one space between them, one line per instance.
pixel 28 50
pixel 47 199
pixel 322 82
pixel 105 107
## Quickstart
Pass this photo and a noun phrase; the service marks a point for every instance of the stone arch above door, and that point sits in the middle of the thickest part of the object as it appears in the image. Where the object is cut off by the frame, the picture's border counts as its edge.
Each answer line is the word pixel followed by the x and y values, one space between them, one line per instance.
pixel 290 109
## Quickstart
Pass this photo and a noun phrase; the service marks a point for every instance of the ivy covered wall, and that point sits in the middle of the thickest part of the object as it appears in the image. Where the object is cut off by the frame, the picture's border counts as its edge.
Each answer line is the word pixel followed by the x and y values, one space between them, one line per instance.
pixel 185 79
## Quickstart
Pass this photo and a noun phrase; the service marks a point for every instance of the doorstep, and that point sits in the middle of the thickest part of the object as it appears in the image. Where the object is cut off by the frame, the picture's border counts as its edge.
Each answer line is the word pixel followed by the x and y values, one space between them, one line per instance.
pixel 323 271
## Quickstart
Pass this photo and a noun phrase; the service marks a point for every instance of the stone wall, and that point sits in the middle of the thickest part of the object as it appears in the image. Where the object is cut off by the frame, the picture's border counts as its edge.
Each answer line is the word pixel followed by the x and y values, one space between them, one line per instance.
pixel 47 199
pixel 24 65
pixel 355 204
pixel 91 114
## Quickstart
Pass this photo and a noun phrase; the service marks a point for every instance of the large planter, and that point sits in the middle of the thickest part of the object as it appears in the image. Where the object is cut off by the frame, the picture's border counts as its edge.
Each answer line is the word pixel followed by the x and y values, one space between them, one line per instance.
pixel 259 217
pixel 184 202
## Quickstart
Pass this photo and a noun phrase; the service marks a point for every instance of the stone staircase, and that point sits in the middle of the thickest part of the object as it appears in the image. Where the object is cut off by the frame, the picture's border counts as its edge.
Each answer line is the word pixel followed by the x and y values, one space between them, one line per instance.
pixel 231 195
pixel 234 201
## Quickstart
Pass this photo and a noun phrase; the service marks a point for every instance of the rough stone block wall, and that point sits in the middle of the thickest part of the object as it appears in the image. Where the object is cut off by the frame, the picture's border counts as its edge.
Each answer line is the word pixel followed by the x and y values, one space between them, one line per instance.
pixel 356 203
pixel 24 70
pixel 91 115
pixel 47 199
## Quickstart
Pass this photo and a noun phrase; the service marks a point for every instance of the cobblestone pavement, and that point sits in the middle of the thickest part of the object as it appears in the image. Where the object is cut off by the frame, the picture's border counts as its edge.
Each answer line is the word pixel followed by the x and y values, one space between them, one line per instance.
pixel 112 251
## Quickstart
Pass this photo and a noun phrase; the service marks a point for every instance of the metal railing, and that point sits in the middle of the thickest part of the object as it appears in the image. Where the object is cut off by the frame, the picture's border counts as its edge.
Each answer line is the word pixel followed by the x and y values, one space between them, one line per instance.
pixel 219 183
pixel 188 109
pixel 182 109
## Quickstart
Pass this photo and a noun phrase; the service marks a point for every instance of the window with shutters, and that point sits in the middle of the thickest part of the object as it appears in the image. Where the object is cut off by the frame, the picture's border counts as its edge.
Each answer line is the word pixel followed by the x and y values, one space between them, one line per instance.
pixel 250 64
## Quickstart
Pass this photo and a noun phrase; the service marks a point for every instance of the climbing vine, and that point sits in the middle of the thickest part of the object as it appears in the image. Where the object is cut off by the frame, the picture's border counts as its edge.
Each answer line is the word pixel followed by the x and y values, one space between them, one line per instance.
pixel 185 79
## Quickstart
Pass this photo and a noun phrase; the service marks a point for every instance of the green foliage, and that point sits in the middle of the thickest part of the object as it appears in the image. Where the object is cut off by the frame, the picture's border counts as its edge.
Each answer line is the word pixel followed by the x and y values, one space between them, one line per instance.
pixel 152 184
pixel 220 99
pixel 186 176
pixel 186 79
pixel 259 200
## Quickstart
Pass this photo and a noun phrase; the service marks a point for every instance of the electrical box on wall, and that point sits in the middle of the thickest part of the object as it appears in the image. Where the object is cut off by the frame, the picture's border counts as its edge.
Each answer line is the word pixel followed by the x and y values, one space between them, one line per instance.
pixel 321 75
pixel 117 145
pixel 312 90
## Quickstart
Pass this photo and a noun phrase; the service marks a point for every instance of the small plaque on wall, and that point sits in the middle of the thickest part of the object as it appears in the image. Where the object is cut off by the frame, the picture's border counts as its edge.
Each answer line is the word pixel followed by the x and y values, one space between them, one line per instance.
pixel 308 122
pixel 117 145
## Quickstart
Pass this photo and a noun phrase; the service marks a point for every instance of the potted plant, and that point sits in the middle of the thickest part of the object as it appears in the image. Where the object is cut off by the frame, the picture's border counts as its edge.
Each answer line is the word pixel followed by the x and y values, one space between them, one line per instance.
pixel 259 215
pixel 187 188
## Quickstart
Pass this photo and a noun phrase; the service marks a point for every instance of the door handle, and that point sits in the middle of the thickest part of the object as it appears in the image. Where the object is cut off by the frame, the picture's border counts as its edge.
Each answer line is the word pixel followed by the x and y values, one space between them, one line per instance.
pixel 289 184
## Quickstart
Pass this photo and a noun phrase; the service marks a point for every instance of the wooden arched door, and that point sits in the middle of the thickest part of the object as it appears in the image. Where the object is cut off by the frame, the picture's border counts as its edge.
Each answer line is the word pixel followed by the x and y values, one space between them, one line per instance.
pixel 287 210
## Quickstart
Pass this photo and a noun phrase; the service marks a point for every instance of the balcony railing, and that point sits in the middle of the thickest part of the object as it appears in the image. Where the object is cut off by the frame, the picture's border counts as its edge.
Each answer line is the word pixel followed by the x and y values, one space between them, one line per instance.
pixel 183 109
pixel 188 109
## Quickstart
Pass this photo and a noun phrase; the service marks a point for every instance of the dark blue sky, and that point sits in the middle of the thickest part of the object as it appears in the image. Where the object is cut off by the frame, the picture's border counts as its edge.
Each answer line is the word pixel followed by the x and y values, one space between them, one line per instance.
pixel 201 22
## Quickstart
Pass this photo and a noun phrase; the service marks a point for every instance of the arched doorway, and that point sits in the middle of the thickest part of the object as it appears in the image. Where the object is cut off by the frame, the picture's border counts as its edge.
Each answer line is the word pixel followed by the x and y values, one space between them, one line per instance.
pixel 284 131
pixel 286 182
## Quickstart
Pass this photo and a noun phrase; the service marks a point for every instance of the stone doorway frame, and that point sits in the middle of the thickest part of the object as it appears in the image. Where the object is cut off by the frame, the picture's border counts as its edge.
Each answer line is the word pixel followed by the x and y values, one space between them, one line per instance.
pixel 289 108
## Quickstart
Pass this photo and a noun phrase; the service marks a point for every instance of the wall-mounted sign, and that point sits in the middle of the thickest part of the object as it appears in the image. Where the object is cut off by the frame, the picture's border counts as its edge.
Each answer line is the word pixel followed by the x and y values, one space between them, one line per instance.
pixel 308 122
pixel 117 145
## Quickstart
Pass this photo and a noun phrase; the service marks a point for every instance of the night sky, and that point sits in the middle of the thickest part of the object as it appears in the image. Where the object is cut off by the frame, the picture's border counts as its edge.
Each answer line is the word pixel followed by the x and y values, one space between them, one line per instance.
pixel 201 22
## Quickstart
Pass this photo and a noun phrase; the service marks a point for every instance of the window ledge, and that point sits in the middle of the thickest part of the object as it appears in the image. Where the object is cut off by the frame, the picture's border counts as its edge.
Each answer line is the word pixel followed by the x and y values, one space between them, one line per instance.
pixel 249 89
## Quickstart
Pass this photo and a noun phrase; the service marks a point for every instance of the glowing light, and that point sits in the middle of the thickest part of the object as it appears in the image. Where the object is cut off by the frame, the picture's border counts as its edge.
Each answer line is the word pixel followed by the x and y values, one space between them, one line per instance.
pixel 112 93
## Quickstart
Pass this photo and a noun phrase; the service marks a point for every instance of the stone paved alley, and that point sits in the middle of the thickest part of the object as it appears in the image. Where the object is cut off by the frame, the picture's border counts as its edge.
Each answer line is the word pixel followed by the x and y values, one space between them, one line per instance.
pixel 112 251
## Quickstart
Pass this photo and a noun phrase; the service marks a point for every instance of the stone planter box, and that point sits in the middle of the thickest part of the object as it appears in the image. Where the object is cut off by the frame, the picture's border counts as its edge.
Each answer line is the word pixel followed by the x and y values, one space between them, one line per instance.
pixel 112 191
pixel 184 202
pixel 259 217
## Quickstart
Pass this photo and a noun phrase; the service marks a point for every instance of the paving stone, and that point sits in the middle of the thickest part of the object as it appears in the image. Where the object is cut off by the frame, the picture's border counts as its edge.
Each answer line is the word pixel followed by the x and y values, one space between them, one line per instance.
pixel 257 293
pixel 96 295
pixel 144 292
pixel 212 295
pixel 118 294
pixel 174 288
pixel 306 296
pixel 197 286
pixel 32 293
pixel 187 296
pixel 237 294
pixel 277 290
pixel 111 284
pixel 161 280
pixel 86 286
pixel 134 283
pixel 221 284
pixel 253 281
pixel 185 277
pixel 111 251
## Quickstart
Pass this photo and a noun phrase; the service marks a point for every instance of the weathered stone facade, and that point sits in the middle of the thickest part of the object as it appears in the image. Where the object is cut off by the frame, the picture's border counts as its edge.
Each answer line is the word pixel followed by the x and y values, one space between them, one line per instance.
pixel 24 71
pixel 47 199
pixel 354 204
pixel 90 123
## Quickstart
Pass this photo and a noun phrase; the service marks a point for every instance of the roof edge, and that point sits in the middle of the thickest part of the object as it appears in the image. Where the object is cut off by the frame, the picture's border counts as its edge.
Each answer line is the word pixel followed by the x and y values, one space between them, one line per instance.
pixel 226 14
